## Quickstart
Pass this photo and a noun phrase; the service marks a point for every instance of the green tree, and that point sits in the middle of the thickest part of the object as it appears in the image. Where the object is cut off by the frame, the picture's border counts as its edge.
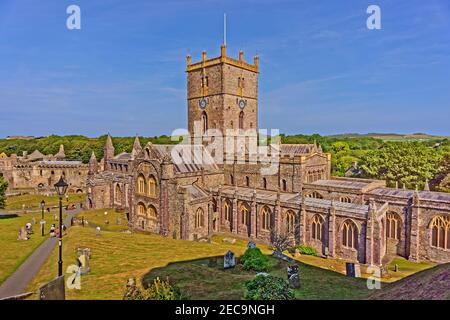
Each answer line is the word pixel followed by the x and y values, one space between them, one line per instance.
pixel 3 187
pixel 410 163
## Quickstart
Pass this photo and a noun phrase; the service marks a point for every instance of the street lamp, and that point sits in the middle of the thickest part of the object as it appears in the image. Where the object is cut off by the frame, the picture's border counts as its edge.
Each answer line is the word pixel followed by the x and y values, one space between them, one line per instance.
pixel 61 188
pixel 42 216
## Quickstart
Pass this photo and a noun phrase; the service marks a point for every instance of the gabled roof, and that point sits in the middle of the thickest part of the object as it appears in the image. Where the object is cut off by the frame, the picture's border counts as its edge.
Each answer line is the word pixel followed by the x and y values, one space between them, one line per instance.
pixel 36 155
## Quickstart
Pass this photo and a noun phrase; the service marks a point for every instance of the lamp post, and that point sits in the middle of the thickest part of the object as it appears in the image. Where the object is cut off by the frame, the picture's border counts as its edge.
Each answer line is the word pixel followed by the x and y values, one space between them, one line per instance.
pixel 61 188
pixel 42 216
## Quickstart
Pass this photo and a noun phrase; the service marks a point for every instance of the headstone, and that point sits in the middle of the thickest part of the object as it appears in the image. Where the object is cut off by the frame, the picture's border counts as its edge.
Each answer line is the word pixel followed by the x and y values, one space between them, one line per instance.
pixel 29 228
pixel 212 262
pixel 33 220
pixel 297 253
pixel 396 268
pixel 97 231
pixel 251 244
pixel 228 240
pixel 280 255
pixel 357 270
pixel 83 256
pixel 350 269
pixel 229 260
pixel 326 252
pixel 265 274
pixel 53 290
pixel 293 276
pixel 23 235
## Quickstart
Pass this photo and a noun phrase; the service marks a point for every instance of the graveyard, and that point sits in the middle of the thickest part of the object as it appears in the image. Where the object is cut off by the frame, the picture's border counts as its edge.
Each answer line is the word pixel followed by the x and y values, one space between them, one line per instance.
pixel 117 254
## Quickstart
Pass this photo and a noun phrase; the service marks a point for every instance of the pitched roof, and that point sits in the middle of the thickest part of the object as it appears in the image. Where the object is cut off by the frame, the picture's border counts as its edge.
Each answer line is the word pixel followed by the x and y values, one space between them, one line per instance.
pixel 35 155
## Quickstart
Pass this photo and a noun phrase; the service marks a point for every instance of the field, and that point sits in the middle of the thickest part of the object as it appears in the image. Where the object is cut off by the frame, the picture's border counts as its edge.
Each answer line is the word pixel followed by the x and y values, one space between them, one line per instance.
pixel 13 251
pixel 32 201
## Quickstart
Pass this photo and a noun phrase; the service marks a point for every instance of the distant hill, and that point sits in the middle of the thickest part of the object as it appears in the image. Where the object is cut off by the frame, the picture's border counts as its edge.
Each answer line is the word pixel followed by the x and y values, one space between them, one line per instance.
pixel 430 284
pixel 392 136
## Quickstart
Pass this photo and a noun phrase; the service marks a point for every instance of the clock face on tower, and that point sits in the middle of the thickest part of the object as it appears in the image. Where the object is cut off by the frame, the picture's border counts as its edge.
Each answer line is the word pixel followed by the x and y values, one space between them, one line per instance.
pixel 202 103
pixel 242 103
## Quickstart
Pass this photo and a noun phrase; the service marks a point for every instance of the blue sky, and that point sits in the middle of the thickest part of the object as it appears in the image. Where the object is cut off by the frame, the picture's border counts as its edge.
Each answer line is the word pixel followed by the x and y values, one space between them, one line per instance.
pixel 322 70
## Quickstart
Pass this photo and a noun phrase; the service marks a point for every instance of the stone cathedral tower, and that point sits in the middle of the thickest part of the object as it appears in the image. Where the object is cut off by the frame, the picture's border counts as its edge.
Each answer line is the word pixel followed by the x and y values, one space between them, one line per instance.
pixel 222 93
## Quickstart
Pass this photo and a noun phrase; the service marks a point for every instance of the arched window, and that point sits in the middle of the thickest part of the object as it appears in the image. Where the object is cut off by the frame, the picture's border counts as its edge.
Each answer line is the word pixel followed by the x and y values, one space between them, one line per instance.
pixel 266 218
pixel 264 183
pixel 317 227
pixel 199 218
pixel 244 210
pixel 204 122
pixel 315 195
pixel 227 210
pixel 152 186
pixel 118 194
pixel 247 181
pixel 241 120
pixel 393 226
pixel 151 213
pixel 290 222
pixel 141 209
pixel 349 234
pixel 140 184
pixel 284 185
pixel 345 200
pixel 440 232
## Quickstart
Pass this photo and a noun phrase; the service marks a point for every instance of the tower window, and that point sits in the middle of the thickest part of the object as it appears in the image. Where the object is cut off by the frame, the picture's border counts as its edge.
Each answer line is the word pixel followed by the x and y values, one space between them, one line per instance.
pixel 204 122
pixel 247 181
pixel 241 120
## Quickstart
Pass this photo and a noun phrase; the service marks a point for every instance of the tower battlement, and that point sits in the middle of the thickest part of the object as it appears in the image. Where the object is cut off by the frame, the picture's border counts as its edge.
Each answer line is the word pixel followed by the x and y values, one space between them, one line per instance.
pixel 222 59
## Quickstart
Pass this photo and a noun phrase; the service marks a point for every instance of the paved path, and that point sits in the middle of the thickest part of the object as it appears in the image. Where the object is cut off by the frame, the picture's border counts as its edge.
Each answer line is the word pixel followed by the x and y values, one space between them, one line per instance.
pixel 19 280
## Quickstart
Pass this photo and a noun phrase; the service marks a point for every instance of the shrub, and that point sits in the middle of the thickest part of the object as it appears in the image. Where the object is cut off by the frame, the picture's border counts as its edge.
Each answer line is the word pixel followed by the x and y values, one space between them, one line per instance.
pixel 302 249
pixel 254 259
pixel 158 290
pixel 268 288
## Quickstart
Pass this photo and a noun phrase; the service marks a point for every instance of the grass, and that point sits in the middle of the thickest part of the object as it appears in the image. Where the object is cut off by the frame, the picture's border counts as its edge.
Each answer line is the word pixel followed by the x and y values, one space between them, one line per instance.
pixel 201 282
pixel 117 256
pixel 33 201
pixel 98 218
pixel 14 251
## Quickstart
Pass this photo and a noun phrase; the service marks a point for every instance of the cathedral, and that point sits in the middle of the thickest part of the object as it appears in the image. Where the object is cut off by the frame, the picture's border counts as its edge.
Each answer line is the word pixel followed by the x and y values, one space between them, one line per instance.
pixel 358 220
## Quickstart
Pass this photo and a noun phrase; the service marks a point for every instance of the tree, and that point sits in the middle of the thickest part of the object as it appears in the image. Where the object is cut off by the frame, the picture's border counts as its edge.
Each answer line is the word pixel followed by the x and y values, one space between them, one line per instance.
pixel 3 187
pixel 410 163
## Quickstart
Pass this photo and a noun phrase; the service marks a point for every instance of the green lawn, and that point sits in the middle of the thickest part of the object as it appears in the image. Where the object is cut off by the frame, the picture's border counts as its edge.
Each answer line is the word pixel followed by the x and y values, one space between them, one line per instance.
pixel 117 256
pixel 117 221
pixel 13 252
pixel 199 281
pixel 33 201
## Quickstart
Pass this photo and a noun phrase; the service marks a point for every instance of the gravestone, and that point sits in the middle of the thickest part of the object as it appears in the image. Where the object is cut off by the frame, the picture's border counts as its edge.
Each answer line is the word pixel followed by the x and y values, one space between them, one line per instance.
pixel 212 262
pixel 228 240
pixel 264 274
pixel 83 257
pixel 23 235
pixel 350 269
pixel 297 253
pixel 53 290
pixel 97 231
pixel 229 260
pixel 293 276
pixel 357 270
pixel 251 244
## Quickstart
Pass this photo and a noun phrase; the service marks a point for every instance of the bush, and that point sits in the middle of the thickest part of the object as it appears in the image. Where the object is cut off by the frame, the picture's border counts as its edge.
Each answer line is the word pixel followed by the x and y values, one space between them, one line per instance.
pixel 254 259
pixel 159 290
pixel 305 250
pixel 268 288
